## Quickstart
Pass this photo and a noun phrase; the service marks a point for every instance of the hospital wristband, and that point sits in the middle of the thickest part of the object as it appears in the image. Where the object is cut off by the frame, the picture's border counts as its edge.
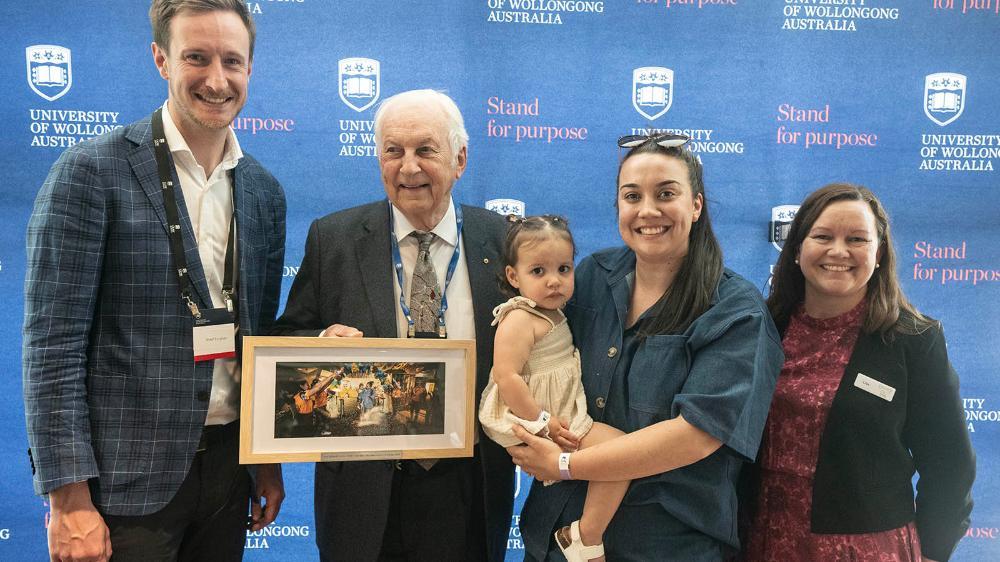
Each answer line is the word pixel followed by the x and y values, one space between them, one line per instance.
pixel 539 427
pixel 564 466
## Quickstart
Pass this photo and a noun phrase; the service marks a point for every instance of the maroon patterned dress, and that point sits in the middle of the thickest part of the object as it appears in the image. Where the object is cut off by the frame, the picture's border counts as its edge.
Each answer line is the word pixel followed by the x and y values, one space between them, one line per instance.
pixel 816 353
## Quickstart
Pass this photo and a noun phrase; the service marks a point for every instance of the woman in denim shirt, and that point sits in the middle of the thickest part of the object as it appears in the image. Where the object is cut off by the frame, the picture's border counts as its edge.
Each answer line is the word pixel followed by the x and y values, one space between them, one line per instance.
pixel 676 351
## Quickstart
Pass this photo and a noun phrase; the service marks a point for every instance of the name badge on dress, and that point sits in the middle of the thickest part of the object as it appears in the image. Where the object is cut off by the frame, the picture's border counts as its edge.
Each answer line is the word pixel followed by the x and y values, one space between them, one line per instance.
pixel 214 335
pixel 872 386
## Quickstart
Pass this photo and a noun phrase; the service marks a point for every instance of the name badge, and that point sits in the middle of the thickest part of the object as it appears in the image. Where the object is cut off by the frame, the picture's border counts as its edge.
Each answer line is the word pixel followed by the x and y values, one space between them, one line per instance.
pixel 214 335
pixel 872 386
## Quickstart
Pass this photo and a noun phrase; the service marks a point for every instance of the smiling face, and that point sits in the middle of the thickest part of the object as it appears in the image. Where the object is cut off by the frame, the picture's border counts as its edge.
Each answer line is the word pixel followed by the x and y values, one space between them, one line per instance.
pixel 207 68
pixel 544 271
pixel 656 207
pixel 838 256
pixel 418 165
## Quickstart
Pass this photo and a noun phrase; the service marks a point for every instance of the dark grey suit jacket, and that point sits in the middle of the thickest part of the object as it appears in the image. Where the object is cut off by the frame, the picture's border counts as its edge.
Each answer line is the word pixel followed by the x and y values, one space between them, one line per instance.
pixel 346 278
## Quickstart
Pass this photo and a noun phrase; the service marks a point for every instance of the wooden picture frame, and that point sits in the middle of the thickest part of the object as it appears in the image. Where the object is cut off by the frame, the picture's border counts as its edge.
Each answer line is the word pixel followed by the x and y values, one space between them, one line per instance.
pixel 340 399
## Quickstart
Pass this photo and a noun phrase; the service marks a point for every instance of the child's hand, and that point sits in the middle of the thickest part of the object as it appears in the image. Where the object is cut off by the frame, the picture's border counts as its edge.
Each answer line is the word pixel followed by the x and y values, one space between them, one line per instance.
pixel 554 428
pixel 562 436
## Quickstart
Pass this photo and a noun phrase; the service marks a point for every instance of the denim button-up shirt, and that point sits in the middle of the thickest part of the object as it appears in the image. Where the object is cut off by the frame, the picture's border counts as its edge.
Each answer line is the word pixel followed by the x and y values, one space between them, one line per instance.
pixel 719 374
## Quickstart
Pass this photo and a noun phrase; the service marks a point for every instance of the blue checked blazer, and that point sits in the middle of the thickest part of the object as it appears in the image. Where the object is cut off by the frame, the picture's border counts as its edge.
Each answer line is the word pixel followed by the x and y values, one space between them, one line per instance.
pixel 111 392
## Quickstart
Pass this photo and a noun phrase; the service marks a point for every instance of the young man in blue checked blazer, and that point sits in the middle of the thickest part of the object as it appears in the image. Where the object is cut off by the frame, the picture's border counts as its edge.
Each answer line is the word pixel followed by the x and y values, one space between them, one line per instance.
pixel 136 250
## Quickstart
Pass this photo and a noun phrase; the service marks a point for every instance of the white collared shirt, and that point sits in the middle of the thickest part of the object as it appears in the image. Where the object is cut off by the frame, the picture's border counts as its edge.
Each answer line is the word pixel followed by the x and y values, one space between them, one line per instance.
pixel 459 318
pixel 209 202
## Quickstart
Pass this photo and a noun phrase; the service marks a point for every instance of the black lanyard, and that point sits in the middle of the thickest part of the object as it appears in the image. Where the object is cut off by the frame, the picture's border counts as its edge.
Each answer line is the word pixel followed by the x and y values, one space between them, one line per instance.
pixel 163 168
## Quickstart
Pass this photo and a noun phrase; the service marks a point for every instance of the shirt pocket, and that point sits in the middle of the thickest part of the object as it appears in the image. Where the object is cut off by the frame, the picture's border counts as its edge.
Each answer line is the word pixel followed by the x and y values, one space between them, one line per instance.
pixel 657 374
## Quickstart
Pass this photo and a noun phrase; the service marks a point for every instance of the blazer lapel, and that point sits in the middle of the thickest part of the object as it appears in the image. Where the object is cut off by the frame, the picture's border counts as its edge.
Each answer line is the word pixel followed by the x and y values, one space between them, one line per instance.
pixel 246 239
pixel 482 262
pixel 372 248
pixel 143 162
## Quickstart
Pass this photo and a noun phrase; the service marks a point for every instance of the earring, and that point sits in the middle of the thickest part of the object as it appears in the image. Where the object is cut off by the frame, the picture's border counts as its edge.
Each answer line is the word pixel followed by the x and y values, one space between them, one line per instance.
pixel 797 262
pixel 877 265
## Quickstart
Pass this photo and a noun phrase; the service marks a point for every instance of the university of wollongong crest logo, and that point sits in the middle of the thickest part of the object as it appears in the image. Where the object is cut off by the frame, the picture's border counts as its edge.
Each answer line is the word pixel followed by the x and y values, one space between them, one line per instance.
pixel 359 82
pixel 50 70
pixel 652 90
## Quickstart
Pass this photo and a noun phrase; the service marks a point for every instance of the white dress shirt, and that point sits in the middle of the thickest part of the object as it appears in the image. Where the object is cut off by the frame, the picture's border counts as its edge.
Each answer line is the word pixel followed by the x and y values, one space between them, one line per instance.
pixel 459 319
pixel 209 201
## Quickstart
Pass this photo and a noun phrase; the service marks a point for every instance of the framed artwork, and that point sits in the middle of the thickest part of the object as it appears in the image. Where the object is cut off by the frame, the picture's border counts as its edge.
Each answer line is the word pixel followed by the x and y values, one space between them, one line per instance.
pixel 336 399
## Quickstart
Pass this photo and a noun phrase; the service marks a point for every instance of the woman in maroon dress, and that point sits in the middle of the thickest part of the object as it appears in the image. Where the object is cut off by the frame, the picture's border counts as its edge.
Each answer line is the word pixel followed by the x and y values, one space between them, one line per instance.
pixel 866 397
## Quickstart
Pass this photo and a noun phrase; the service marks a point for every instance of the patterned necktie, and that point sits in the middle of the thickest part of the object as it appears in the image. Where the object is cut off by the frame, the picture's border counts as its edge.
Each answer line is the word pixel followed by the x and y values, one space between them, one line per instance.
pixel 425 293
pixel 425 298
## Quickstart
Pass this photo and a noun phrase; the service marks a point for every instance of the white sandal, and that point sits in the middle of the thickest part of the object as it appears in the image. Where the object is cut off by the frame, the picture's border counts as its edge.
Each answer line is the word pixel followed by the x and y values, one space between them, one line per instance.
pixel 576 551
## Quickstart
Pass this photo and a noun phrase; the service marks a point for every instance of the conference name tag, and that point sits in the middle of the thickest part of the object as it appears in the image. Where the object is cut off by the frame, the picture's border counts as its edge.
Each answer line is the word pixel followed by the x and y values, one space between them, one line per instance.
pixel 214 335
pixel 872 386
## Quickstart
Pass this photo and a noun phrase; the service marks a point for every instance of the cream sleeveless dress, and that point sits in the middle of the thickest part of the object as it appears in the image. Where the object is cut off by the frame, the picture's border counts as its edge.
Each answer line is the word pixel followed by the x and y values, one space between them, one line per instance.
pixel 552 373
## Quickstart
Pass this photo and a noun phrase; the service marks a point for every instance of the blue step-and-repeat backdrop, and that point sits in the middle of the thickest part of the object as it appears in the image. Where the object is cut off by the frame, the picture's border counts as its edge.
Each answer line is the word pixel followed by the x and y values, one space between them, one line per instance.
pixel 779 96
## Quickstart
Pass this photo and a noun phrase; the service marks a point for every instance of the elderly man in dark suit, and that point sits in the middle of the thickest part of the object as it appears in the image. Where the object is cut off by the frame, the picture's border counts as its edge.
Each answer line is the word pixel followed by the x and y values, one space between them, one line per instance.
pixel 415 265
pixel 145 246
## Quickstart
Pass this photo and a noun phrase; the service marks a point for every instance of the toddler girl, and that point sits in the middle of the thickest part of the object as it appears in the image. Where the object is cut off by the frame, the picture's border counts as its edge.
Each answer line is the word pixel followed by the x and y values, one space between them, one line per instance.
pixel 535 381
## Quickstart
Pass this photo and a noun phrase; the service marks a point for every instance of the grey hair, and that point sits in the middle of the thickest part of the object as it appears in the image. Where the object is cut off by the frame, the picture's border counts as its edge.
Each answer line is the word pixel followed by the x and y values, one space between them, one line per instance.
pixel 458 138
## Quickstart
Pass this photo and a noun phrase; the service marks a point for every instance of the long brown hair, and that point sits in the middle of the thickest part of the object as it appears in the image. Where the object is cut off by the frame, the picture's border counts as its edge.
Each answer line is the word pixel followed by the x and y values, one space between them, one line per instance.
pixel 888 308
pixel 690 294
